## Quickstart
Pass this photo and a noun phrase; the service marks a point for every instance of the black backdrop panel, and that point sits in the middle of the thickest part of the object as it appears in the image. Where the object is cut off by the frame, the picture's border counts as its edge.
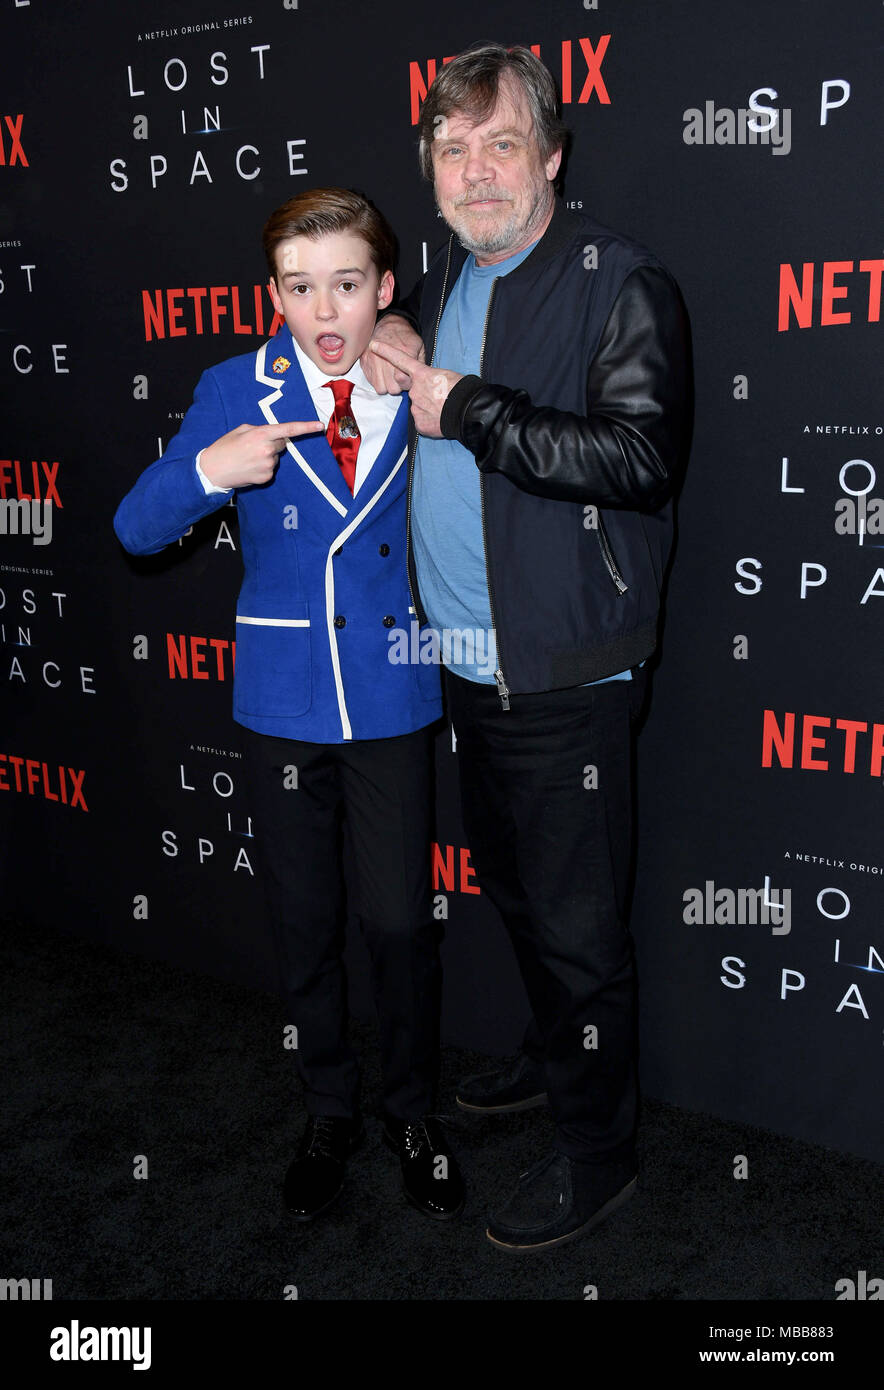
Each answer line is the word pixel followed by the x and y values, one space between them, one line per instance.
pixel 141 149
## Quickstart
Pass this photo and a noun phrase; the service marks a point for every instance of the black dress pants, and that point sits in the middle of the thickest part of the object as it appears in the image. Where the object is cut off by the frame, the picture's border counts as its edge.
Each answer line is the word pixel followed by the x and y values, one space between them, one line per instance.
pixel 301 795
pixel 546 796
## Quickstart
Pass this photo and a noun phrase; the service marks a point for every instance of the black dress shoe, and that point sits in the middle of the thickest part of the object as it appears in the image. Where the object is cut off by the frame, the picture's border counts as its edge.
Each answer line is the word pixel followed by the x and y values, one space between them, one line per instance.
pixel 559 1199
pixel 517 1085
pixel 431 1179
pixel 316 1174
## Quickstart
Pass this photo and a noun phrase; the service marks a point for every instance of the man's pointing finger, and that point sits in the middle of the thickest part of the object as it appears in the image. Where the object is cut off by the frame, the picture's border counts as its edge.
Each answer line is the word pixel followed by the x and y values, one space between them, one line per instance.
pixel 398 358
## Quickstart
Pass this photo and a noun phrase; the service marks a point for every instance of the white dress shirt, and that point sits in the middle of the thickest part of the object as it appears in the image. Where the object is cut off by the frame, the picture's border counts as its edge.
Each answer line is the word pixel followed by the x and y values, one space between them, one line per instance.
pixel 373 414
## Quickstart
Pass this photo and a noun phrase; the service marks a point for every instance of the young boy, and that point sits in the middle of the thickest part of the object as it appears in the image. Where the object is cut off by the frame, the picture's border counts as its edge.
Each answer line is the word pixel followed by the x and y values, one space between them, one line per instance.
pixel 321 505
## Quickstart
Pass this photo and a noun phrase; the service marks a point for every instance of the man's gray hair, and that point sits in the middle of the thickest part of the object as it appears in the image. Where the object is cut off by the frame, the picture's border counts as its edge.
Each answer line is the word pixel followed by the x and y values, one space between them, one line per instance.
pixel 470 83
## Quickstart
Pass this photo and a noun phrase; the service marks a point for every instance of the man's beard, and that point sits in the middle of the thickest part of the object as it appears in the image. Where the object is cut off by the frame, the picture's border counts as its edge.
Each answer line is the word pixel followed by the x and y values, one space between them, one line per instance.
pixel 500 236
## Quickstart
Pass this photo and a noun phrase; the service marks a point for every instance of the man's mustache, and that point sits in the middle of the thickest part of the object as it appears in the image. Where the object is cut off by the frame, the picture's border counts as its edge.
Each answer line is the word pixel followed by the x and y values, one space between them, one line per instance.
pixel 472 195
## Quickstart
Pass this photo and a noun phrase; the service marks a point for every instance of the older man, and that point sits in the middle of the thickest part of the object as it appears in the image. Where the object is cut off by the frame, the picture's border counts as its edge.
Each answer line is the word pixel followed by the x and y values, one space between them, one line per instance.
pixel 548 441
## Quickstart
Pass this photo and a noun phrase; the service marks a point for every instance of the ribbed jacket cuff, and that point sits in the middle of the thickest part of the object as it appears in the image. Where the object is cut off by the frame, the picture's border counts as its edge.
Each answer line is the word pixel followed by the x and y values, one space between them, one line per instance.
pixel 459 397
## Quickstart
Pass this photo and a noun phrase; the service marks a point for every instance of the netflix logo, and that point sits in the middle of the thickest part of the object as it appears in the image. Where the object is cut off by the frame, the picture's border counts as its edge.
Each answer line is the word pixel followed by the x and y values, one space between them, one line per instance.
pixel 178 313
pixel 452 870
pixel 189 660
pixel 11 148
pixel 39 779
pixel 579 70
pixel 824 745
pixel 825 288
pixel 33 482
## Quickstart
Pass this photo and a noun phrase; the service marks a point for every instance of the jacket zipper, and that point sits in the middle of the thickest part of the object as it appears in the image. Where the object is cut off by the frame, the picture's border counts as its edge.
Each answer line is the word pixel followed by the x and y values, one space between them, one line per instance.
pixel 608 556
pixel 408 552
pixel 499 677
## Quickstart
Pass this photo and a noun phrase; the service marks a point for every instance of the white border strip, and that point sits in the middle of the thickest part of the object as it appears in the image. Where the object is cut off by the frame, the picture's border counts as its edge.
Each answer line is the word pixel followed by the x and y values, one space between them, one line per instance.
pixel 275 622
pixel 346 728
pixel 265 408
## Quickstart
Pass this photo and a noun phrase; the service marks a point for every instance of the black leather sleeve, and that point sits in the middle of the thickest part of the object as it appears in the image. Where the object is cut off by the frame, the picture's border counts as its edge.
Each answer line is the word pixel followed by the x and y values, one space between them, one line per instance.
pixel 627 450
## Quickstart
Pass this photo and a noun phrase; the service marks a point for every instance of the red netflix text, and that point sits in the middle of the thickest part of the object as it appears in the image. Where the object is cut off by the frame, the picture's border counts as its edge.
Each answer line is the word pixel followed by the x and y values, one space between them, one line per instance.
pixel 199 310
pixel 12 137
pixel 34 480
pixel 53 783
pixel 452 870
pixel 588 82
pixel 189 660
pixel 824 744
pixel 866 296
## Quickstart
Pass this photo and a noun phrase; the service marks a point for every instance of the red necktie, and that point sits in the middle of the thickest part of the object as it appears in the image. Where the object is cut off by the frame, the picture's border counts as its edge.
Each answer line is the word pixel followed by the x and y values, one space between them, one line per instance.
pixel 343 431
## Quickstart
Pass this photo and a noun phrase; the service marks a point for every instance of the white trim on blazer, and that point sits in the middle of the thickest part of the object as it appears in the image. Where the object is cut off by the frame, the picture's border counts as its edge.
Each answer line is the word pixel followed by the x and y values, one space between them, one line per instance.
pixel 265 407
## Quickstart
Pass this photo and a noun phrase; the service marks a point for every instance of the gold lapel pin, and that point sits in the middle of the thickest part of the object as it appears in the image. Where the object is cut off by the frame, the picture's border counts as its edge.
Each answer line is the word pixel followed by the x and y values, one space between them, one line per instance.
pixel 281 365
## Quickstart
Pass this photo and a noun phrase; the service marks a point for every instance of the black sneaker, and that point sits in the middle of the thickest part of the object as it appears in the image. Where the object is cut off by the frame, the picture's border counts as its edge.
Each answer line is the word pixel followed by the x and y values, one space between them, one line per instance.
pixel 516 1085
pixel 558 1200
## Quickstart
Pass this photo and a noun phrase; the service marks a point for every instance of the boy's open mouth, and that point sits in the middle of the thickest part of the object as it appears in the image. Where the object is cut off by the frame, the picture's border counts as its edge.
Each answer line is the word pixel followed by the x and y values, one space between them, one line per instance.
pixel 330 346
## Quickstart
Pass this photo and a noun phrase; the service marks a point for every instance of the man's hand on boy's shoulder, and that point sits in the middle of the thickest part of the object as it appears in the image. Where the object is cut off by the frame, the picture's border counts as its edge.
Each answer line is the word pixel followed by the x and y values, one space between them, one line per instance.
pixel 429 387
pixel 396 332
pixel 248 455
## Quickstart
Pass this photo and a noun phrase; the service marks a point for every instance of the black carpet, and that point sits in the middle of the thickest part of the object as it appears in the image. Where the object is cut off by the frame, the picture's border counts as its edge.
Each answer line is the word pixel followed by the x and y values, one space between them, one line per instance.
pixel 107 1057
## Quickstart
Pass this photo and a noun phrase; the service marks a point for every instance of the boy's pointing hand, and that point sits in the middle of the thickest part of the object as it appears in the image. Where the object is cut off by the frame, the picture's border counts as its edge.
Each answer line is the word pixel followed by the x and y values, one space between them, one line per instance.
pixel 248 455
pixel 428 387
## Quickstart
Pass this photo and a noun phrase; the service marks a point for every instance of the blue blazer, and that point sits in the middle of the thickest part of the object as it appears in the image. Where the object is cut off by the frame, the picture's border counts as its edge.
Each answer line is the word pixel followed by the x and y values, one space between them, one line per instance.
pixel 325 586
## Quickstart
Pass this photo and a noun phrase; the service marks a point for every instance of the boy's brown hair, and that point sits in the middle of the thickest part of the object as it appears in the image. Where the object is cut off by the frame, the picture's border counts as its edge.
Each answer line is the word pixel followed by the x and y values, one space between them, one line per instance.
pixel 320 211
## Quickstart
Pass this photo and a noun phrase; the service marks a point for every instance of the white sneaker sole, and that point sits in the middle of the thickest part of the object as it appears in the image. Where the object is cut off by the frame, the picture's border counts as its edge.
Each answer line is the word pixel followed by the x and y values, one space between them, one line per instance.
pixel 597 1217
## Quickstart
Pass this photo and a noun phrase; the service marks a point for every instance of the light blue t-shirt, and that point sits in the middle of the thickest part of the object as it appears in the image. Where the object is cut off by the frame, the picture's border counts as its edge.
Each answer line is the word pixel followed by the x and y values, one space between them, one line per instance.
pixel 446 503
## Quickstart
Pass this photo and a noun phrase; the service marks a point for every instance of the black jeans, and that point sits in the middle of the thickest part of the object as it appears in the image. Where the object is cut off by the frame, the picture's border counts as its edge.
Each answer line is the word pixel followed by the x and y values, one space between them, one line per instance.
pixel 546 795
pixel 382 790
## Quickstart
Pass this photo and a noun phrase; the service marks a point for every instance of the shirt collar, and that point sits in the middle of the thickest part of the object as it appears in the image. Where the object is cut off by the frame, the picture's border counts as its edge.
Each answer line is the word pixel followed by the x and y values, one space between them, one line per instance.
pixel 315 377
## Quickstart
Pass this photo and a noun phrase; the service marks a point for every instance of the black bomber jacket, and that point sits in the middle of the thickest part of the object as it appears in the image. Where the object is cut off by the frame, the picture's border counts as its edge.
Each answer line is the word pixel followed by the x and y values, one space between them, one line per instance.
pixel 579 425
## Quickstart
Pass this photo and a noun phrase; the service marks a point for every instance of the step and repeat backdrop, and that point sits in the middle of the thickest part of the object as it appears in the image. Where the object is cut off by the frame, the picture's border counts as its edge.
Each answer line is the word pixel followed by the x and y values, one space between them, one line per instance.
pixel 141 149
